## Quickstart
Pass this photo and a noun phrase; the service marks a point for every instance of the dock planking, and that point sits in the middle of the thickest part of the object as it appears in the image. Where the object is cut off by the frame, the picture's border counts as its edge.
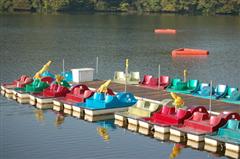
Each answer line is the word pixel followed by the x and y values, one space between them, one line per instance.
pixel 158 94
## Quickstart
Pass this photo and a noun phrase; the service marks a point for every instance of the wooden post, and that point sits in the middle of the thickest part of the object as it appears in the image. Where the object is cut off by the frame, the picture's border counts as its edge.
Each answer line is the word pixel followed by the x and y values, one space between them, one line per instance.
pixel 210 101
pixel 185 75
pixel 97 65
pixel 126 74
pixel 159 74
pixel 63 67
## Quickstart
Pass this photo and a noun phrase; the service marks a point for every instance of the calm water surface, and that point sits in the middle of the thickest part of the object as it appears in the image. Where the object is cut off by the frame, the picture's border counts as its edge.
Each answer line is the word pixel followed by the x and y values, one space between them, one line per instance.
pixel 29 41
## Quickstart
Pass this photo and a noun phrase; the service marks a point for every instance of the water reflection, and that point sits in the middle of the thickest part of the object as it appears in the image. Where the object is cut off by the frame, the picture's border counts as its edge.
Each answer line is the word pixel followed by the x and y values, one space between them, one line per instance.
pixel 59 119
pixel 39 115
pixel 103 128
pixel 176 150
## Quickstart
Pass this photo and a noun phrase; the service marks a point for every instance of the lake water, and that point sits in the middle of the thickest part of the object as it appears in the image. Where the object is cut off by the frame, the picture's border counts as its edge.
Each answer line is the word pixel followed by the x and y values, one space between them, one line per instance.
pixel 29 41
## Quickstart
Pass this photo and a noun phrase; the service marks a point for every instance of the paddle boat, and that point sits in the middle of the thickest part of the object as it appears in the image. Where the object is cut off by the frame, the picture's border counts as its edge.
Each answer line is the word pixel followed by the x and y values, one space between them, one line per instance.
pixel 141 109
pixel 189 52
pixel 168 116
pixel 133 78
pixel 173 84
pixel 201 124
pixel 37 86
pixel 232 96
pixel 184 87
pixel 101 103
pixel 7 88
pixel 78 94
pixel 227 136
pixel 165 31
pixel 151 82
pixel 59 88
pixel 203 90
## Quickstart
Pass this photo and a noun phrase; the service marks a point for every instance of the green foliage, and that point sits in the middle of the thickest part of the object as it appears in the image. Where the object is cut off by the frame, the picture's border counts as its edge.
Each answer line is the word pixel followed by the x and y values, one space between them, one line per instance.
pixel 176 6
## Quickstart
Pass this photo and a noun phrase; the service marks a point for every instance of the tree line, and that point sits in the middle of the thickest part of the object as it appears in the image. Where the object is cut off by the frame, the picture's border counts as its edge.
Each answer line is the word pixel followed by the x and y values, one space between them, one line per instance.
pixel 170 6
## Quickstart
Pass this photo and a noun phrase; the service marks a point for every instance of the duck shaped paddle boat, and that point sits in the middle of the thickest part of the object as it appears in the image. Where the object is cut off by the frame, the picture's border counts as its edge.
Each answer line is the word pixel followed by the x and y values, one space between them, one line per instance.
pixel 77 94
pixel 201 124
pixel 140 110
pixel 227 136
pixel 168 116
pixel 101 103
pixel 7 88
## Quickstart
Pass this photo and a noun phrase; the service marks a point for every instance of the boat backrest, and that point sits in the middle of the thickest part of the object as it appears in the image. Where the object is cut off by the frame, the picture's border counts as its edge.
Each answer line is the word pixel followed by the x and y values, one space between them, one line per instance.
pixel 140 103
pixel 233 124
pixel 119 75
pixel 175 81
pixel 87 93
pixel 164 79
pixel 53 87
pixel 135 76
pixel 153 107
pixel 99 96
pixel 22 78
pixel 36 82
pixel 203 85
pixel 221 88
pixel 168 110
pixel 153 81
pixel 76 90
pixel 197 116
pixel 146 79
pixel 231 90
pixel 147 104
pixel 181 113
pixel 47 79
pixel 109 98
pixel 214 120
pixel 60 88
pixel 192 83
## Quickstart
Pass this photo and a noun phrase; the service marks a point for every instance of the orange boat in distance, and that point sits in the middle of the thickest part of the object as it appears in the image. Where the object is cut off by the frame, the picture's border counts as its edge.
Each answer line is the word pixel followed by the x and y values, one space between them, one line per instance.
pixel 165 31
pixel 190 52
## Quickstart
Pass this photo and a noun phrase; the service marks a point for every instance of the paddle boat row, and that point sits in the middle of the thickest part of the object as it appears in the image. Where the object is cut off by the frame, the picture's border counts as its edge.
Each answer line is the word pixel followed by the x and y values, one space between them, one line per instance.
pixel 194 87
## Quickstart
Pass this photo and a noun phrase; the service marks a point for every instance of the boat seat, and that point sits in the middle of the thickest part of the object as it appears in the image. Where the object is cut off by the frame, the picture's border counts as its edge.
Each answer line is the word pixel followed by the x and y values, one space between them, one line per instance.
pixel 233 124
pixel 153 107
pixel 164 81
pixel 146 79
pixel 98 96
pixel 135 76
pixel 153 82
pixel 181 113
pixel 119 75
pixel 47 79
pixel 140 104
pixel 197 116
pixel 214 120
pixel 167 110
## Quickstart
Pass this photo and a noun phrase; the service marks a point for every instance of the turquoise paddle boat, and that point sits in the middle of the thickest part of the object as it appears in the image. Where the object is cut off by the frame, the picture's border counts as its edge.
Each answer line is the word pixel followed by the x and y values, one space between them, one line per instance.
pixel 232 96
pixel 228 134
pixel 173 84
pixel 185 87
pixel 103 101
